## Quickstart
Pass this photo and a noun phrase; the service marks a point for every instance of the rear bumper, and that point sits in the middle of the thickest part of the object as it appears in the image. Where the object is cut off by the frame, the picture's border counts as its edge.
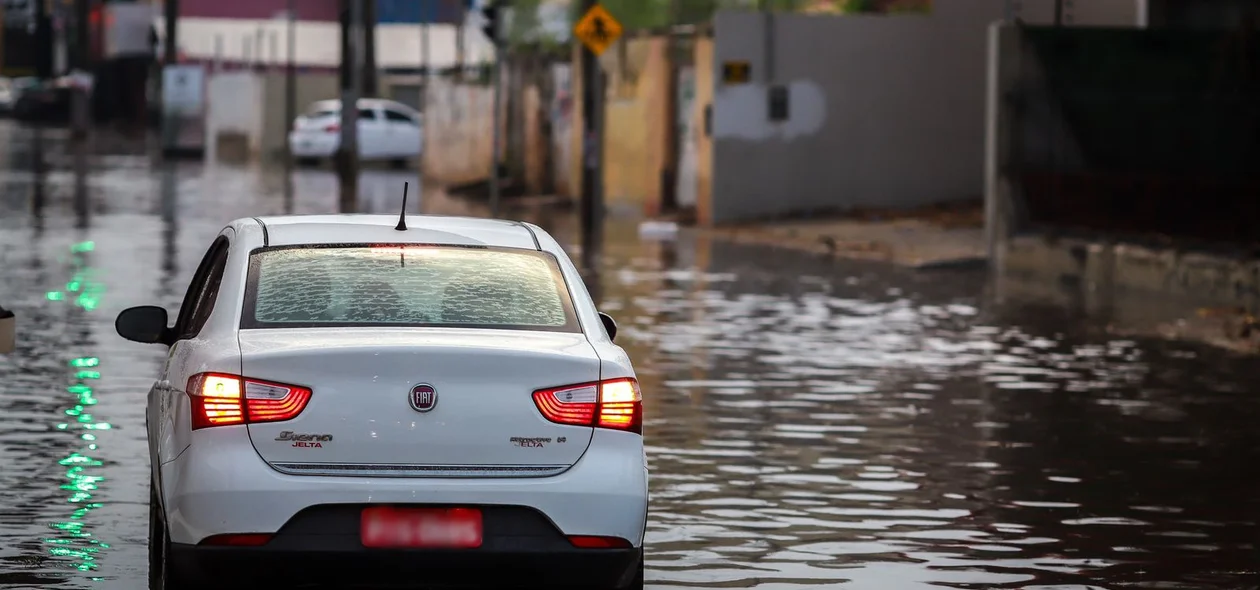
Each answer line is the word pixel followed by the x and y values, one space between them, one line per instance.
pixel 219 485
pixel 264 566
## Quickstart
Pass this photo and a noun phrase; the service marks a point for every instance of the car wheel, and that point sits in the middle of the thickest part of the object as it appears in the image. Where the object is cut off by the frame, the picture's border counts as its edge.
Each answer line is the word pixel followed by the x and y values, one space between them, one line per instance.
pixel 162 574
pixel 637 582
pixel 157 543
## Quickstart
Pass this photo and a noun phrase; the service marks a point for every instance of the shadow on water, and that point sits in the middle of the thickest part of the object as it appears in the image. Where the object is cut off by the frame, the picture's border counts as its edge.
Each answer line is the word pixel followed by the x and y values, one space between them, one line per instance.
pixel 810 423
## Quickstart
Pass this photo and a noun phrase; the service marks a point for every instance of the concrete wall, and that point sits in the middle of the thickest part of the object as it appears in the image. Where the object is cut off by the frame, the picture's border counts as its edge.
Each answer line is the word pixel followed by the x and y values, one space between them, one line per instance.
pixel 562 113
pixel 250 105
pixel 704 72
pixel 884 111
pixel 578 124
pixel 635 123
pixel 234 114
pixel 310 87
pixel 458 133
pixel 1100 13
pixel 1152 189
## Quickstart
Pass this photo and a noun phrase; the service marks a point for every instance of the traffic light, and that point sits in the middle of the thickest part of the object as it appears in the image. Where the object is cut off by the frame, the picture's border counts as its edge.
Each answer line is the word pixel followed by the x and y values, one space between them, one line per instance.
pixel 490 22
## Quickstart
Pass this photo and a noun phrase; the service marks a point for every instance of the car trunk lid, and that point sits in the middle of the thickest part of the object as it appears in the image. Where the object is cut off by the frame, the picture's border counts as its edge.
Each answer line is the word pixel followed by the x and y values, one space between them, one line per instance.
pixel 419 401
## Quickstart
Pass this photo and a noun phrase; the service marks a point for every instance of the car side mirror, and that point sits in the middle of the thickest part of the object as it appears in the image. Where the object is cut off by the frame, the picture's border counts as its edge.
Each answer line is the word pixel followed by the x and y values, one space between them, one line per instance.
pixel 610 325
pixel 145 324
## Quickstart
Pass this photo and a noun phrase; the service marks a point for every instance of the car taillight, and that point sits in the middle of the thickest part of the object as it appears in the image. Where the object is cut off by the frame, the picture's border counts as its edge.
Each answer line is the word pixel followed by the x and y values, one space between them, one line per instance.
pixel 335 127
pixel 586 542
pixel 224 400
pixel 615 404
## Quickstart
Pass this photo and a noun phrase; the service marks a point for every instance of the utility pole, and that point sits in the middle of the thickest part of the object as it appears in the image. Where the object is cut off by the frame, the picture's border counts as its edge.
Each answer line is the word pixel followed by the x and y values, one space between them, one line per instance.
pixel 669 175
pixel 82 35
pixel 351 85
pixel 592 153
pixel 491 28
pixel 43 42
pixel 459 41
pixel 290 94
pixel 371 86
pixel 426 16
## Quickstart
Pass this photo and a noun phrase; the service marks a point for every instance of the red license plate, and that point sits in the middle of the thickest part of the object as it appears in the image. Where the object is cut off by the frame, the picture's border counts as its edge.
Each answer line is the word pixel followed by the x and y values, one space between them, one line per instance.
pixel 444 528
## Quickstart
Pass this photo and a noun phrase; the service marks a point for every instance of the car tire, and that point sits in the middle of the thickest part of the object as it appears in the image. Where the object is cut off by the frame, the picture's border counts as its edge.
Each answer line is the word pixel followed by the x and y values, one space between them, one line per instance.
pixel 637 582
pixel 162 573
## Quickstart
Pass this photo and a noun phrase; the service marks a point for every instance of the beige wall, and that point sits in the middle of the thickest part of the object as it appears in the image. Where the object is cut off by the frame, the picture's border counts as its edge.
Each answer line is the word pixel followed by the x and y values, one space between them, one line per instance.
pixel 458 132
pixel 310 88
pixel 577 125
pixel 535 145
pixel 704 148
pixel 634 122
pixel 234 115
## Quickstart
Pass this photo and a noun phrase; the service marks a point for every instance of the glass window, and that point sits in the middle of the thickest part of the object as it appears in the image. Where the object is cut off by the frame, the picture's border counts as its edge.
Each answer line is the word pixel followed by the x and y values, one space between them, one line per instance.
pixel 407 286
pixel 367 114
pixel 397 116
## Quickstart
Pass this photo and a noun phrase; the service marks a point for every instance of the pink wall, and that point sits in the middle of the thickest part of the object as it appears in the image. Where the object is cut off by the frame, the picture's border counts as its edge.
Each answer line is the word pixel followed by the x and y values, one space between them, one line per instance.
pixel 310 10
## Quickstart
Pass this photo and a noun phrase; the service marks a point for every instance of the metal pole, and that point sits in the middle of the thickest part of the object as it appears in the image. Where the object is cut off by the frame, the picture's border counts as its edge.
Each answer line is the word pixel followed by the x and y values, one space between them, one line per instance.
pixel 496 135
pixel 349 145
pixel 426 15
pixel 290 96
pixel 591 152
pixel 459 41
pixel 170 44
pixel 290 70
pixel 371 85
pixel 1058 13
pixel 669 172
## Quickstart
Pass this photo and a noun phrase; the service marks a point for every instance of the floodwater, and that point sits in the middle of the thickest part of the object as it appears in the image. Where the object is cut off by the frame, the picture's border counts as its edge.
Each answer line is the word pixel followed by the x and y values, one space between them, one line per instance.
pixel 811 424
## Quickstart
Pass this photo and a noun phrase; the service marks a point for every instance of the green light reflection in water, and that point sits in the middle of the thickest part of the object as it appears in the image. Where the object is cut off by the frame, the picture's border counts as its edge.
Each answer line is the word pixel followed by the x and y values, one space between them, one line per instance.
pixel 74 540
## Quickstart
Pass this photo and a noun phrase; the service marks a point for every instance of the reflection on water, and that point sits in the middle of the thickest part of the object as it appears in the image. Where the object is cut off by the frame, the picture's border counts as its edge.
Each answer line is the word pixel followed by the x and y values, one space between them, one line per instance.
pixel 74 540
pixel 810 423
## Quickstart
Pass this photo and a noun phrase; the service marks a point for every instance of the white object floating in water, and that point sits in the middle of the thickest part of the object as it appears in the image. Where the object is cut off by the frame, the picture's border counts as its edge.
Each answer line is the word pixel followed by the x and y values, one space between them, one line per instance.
pixel 658 230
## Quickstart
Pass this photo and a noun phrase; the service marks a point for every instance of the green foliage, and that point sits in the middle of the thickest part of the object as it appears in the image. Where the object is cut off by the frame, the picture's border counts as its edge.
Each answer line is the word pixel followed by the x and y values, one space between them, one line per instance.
pixel 527 28
pixel 857 6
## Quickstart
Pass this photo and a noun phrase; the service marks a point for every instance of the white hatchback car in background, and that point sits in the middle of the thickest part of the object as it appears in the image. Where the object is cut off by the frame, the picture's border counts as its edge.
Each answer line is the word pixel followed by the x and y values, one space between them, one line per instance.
pixel 352 403
pixel 388 131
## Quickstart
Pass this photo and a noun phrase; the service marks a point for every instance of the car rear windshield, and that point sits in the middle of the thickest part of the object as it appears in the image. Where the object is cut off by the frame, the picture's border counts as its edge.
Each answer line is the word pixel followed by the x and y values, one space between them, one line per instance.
pixel 439 286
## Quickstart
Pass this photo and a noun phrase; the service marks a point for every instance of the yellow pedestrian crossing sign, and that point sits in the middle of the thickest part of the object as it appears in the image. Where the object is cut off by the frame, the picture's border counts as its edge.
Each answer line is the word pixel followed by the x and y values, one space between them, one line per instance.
pixel 597 29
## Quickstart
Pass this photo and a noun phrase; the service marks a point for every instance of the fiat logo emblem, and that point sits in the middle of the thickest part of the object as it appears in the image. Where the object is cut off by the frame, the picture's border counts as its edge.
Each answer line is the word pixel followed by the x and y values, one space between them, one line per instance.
pixel 423 397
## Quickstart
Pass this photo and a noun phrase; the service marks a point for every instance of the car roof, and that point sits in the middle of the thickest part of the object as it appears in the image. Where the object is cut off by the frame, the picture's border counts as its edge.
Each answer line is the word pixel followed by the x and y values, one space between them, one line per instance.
pixel 295 230
pixel 335 104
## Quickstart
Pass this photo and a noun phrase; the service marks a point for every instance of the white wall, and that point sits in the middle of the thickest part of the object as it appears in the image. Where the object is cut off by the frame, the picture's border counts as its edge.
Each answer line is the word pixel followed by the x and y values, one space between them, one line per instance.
pixel 234 104
pixel 319 43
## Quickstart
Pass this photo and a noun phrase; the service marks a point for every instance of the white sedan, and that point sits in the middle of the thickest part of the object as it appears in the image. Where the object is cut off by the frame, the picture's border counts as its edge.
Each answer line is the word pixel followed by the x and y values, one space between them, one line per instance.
pixel 388 131
pixel 349 402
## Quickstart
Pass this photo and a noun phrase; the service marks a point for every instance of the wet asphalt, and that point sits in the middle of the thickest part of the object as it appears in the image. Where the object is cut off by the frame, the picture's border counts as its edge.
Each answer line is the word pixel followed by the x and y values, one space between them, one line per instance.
pixel 810 423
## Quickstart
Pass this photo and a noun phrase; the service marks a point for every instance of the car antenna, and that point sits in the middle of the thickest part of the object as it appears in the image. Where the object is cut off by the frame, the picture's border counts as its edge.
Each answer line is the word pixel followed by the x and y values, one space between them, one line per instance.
pixel 402 216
